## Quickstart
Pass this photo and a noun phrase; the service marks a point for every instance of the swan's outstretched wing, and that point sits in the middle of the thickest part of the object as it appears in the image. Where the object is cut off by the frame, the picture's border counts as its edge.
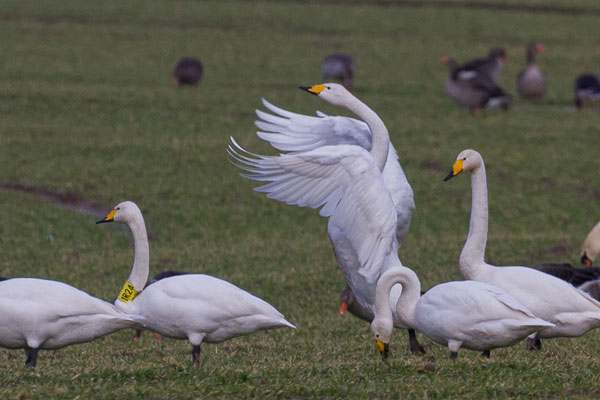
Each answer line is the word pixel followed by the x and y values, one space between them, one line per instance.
pixel 288 131
pixel 344 181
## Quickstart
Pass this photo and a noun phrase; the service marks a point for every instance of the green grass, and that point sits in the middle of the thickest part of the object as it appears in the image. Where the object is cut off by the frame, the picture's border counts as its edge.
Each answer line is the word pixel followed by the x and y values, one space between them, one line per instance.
pixel 87 108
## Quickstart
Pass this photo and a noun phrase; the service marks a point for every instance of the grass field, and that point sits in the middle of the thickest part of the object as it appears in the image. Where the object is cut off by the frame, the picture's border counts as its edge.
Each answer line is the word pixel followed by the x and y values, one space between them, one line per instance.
pixel 89 112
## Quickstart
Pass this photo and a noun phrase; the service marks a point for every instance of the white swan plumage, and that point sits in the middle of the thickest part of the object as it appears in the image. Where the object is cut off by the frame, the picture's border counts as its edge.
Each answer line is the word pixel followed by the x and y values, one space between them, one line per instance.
pixel 467 314
pixel 46 314
pixel 196 307
pixel 347 167
pixel 572 311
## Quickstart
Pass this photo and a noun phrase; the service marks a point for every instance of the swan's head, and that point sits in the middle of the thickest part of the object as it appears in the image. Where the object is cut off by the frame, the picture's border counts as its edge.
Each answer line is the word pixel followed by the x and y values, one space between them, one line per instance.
pixel 467 160
pixel 123 212
pixel 382 331
pixel 332 93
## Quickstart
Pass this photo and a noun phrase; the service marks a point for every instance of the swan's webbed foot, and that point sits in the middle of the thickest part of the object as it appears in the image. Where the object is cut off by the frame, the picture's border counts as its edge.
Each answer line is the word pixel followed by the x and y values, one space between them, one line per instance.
pixel 486 354
pixel 533 344
pixel 31 357
pixel 196 355
pixel 453 355
pixel 415 346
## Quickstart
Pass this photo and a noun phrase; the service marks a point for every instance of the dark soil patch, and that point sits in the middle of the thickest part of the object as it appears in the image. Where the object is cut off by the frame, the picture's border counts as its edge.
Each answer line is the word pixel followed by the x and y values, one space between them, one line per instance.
pixel 70 201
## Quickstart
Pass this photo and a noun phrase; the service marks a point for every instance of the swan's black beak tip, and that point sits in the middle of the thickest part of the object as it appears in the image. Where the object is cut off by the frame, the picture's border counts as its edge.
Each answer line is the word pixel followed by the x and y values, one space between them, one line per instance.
pixel 449 176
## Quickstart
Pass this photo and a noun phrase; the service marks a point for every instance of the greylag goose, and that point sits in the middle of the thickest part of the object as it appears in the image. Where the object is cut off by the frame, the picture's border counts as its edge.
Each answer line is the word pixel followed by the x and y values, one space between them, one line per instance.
pixel 490 66
pixel 531 82
pixel 587 88
pixel 473 90
pixel 187 71
pixel 339 67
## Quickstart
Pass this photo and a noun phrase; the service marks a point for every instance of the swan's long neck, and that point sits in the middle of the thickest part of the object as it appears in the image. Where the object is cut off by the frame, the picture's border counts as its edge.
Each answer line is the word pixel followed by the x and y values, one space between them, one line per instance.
pixel 472 255
pixel 380 136
pixel 406 305
pixel 141 264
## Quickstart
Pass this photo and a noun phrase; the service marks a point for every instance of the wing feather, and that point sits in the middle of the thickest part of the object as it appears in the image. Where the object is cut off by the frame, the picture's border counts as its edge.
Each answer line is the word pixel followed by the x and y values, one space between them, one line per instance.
pixel 344 181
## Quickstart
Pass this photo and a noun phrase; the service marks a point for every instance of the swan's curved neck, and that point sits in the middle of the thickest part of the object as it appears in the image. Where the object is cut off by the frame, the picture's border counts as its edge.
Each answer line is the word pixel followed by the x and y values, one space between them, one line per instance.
pixel 380 135
pixel 406 305
pixel 141 264
pixel 472 255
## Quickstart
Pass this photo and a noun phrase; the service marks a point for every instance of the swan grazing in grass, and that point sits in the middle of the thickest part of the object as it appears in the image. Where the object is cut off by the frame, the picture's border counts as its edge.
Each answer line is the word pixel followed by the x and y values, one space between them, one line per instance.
pixel 591 246
pixel 467 314
pixel 350 168
pixel 552 299
pixel 348 303
pixel 196 307
pixel 45 314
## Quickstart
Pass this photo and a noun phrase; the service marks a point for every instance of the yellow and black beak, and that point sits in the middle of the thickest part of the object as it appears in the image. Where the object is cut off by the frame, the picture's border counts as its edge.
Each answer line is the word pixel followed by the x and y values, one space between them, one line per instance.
pixel 457 168
pixel 384 348
pixel 585 260
pixel 109 218
pixel 314 89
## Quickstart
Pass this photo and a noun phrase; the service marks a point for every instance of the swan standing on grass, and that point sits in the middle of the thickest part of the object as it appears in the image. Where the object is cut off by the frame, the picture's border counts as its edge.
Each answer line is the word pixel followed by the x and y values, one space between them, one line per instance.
pixel 45 314
pixel 350 168
pixel 196 307
pixel 467 314
pixel 572 311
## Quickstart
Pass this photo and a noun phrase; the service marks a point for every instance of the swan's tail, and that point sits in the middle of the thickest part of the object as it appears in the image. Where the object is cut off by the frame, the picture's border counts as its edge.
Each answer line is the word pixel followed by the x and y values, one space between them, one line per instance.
pixel 139 320
pixel 285 322
pixel 539 323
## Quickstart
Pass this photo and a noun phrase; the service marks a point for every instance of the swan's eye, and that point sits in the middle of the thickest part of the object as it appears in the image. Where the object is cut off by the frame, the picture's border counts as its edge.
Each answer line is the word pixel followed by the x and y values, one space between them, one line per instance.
pixel 118 208
pixel 377 336
pixel 328 87
pixel 465 159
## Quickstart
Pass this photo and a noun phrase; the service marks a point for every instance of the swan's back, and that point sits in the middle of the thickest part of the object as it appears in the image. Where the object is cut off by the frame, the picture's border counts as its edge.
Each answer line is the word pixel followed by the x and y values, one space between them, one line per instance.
pixel 479 315
pixel 50 314
pixel 545 295
pixel 189 304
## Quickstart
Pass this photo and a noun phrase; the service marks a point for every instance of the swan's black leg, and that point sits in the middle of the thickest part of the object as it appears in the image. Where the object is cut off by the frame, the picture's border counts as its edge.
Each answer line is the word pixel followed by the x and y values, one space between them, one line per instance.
pixel 196 355
pixel 453 355
pixel 486 354
pixel 31 357
pixel 415 346
pixel 534 344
